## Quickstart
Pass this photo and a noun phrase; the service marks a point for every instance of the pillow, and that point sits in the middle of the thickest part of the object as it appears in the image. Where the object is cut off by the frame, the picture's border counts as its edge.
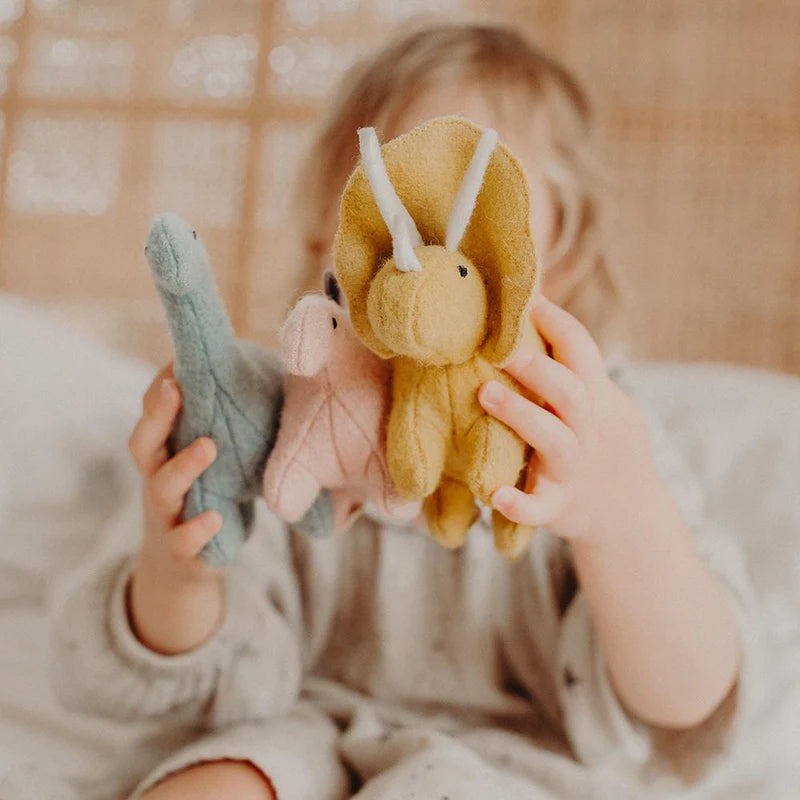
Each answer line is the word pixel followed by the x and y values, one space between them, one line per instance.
pixel 738 429
pixel 66 411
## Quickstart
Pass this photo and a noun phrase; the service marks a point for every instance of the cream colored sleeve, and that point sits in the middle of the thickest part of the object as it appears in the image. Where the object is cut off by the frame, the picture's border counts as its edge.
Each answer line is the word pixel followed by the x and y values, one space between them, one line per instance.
pixel 249 670
pixel 297 752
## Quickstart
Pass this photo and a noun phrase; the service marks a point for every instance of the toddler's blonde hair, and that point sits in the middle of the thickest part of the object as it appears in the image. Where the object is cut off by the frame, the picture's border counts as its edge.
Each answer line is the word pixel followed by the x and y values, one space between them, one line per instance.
pixel 380 88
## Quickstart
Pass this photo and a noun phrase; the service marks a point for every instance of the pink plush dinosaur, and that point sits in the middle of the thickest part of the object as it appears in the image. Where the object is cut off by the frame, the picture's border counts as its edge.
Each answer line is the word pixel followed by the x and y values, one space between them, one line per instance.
pixel 332 431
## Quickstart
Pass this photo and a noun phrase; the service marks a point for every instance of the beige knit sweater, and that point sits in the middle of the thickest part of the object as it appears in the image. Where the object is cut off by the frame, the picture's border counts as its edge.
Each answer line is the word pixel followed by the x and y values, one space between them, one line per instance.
pixel 377 664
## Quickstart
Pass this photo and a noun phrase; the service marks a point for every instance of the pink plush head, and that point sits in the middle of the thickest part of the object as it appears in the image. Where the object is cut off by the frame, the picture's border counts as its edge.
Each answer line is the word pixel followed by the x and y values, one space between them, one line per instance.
pixel 332 425
pixel 307 335
pixel 317 333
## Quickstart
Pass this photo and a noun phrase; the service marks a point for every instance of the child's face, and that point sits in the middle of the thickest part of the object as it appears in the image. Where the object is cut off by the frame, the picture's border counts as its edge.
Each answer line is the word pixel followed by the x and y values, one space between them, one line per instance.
pixel 526 136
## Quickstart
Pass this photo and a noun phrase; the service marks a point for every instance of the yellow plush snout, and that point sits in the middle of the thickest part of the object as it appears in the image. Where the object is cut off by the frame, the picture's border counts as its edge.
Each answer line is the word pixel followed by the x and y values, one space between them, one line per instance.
pixel 436 316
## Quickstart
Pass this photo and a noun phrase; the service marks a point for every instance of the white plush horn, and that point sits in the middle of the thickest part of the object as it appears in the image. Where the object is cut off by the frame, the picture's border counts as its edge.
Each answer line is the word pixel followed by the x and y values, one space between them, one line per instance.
pixel 468 191
pixel 405 236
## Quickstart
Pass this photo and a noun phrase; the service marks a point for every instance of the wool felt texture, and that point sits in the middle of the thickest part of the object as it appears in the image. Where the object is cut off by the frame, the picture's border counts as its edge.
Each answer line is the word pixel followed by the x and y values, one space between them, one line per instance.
pixel 232 391
pixel 333 425
pixel 450 326
pixel 426 167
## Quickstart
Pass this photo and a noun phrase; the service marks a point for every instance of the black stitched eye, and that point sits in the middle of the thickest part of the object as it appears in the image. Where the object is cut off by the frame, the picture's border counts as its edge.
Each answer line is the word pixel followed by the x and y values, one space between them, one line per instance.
pixel 462 271
pixel 194 233
pixel 332 289
pixel 335 322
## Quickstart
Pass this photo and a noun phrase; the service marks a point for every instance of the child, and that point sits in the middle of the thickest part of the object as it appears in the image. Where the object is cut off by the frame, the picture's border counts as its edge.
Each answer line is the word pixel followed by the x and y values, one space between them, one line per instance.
pixel 379 665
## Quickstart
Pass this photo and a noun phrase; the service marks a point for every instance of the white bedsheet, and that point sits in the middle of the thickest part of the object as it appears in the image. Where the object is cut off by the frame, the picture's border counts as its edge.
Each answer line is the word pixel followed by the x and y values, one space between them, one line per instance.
pixel 67 405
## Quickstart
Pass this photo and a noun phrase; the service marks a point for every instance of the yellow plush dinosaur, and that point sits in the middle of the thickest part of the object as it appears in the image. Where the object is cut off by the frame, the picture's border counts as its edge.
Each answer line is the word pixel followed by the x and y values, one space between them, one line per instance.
pixel 435 255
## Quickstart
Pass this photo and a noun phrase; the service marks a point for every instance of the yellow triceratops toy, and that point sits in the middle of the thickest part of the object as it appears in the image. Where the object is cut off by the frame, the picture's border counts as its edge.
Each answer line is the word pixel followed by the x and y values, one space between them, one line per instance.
pixel 435 255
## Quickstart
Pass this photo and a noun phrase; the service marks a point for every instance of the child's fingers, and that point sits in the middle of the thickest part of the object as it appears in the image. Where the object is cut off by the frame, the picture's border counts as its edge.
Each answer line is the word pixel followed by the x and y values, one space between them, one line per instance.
pixel 557 385
pixel 526 509
pixel 189 538
pixel 168 487
pixel 148 442
pixel 151 394
pixel 553 440
pixel 572 344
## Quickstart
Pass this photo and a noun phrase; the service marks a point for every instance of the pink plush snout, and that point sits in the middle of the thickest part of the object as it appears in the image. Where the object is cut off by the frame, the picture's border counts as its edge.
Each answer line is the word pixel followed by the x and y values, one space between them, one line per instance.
pixel 307 335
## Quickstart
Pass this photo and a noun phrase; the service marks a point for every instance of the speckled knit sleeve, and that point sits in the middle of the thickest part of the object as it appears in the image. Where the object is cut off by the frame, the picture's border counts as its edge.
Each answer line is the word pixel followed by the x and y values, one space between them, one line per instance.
pixel 249 670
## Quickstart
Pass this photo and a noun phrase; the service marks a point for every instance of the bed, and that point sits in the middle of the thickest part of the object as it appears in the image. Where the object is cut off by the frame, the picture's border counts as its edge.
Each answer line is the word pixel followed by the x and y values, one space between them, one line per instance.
pixel 68 403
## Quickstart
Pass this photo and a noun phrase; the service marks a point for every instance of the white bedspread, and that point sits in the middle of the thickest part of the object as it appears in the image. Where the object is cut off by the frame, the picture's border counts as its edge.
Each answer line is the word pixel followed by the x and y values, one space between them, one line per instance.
pixel 67 405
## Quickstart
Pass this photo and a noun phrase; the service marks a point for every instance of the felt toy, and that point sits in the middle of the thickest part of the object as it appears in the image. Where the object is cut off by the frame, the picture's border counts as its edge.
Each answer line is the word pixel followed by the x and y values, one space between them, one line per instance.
pixel 435 256
pixel 333 426
pixel 232 391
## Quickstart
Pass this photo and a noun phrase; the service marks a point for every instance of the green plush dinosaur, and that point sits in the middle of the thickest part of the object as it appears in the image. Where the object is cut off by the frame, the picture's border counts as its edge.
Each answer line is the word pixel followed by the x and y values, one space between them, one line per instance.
pixel 232 391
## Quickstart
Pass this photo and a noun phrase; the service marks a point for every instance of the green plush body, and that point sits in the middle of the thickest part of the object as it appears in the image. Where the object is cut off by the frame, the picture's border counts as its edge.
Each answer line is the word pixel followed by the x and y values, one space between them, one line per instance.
pixel 232 391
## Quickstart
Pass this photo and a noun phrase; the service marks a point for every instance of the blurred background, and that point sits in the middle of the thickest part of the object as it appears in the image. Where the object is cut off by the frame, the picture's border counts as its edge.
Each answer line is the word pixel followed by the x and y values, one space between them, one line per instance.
pixel 114 110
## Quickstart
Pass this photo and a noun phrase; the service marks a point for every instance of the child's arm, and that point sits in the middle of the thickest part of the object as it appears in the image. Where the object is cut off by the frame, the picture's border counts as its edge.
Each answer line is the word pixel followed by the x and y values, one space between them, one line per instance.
pixel 667 627
pixel 175 600
pixel 162 634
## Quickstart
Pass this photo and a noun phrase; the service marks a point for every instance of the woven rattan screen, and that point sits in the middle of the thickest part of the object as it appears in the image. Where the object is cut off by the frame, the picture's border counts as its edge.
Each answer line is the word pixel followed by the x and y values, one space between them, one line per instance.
pixel 113 110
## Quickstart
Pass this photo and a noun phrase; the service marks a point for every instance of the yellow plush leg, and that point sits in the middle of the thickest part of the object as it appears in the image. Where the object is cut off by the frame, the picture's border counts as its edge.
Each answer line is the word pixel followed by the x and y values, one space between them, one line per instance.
pixel 496 457
pixel 415 450
pixel 510 538
pixel 450 511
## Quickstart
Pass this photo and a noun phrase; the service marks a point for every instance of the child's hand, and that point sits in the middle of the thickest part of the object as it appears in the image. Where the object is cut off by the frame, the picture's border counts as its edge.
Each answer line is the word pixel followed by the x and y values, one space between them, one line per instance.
pixel 166 480
pixel 593 481
pixel 591 445
pixel 175 599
